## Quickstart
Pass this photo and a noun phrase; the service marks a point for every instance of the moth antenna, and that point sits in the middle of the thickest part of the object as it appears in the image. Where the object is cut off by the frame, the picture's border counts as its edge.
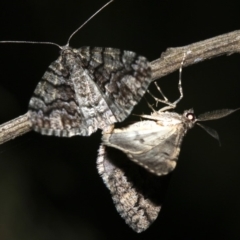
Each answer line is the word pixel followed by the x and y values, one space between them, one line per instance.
pixel 88 21
pixel 211 132
pixel 216 114
pixel 55 44
pixel 32 42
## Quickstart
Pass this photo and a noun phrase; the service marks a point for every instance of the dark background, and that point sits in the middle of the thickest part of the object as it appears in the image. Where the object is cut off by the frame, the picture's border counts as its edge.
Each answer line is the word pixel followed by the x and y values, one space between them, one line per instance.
pixel 49 186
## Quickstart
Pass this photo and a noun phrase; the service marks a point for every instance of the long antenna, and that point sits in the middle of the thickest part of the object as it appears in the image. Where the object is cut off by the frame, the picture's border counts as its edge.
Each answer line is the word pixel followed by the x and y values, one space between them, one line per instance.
pixel 32 42
pixel 55 44
pixel 88 21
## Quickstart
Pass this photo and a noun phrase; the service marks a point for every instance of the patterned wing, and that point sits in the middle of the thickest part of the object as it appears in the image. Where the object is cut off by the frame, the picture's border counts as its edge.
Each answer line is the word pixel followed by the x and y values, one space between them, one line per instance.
pixel 153 146
pixel 86 89
pixel 136 193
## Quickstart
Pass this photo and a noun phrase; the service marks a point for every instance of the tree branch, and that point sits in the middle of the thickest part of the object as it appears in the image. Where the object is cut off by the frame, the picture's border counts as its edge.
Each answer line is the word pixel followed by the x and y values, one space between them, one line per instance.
pixel 169 62
pixel 15 128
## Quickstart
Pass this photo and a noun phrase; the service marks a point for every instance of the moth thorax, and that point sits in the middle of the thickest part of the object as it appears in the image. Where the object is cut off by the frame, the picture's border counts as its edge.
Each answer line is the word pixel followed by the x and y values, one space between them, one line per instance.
pixel 69 58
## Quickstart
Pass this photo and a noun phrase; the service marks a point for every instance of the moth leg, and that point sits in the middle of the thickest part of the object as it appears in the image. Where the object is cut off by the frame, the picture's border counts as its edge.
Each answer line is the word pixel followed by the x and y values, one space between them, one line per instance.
pixel 165 101
pixel 159 89
pixel 174 104
pixel 150 105
pixel 180 81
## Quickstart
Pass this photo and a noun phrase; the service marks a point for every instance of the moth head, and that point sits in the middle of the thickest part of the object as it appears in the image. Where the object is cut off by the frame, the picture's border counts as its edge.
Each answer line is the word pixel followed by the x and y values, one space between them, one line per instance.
pixel 68 56
pixel 66 50
pixel 189 118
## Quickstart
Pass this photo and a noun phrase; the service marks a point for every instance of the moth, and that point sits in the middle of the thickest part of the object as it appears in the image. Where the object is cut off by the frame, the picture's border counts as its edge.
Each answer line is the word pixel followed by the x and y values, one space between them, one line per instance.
pixel 154 145
pixel 86 89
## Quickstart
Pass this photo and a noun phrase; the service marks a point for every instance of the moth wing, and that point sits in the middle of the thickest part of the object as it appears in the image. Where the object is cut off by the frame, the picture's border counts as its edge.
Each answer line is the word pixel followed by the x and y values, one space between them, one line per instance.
pixel 122 77
pixel 86 89
pixel 149 144
pixel 136 193
pixel 54 108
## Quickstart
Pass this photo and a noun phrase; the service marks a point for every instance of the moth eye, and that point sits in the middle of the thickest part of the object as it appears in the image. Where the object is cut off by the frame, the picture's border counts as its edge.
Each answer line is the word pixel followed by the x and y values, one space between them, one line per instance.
pixel 190 116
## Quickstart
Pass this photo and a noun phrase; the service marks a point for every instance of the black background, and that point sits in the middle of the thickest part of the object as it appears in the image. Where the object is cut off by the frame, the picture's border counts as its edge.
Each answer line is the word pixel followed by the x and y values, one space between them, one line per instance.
pixel 49 186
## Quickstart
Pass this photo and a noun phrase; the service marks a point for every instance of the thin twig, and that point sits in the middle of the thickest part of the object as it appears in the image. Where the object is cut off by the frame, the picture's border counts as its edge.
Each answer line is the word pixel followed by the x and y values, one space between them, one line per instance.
pixel 15 128
pixel 169 62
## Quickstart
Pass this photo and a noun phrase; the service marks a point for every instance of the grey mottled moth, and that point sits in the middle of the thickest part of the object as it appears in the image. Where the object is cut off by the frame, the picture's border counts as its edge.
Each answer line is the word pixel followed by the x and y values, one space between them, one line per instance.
pixel 153 144
pixel 86 89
